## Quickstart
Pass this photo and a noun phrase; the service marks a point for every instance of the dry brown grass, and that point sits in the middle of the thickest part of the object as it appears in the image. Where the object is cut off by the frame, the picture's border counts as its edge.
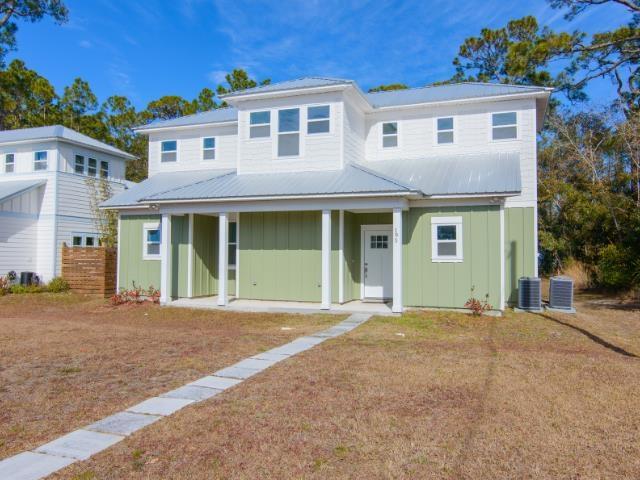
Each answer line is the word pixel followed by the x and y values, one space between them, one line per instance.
pixel 454 396
pixel 67 360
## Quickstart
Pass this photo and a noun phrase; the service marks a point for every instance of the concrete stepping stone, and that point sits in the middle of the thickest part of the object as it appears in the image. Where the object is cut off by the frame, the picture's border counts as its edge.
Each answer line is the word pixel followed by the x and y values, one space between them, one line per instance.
pixel 276 357
pixel 191 392
pixel 237 372
pixel 31 466
pixel 219 383
pixel 80 444
pixel 310 340
pixel 256 364
pixel 291 348
pixel 160 406
pixel 123 423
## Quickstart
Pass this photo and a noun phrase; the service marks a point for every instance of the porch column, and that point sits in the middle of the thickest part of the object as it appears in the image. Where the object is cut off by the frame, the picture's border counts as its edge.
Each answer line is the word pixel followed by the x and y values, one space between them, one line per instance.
pixel 190 258
pixel 397 261
pixel 326 260
pixel 341 258
pixel 165 259
pixel 222 258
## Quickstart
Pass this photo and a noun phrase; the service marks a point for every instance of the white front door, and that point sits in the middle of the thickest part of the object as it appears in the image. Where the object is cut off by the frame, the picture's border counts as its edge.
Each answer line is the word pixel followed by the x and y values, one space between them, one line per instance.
pixel 377 266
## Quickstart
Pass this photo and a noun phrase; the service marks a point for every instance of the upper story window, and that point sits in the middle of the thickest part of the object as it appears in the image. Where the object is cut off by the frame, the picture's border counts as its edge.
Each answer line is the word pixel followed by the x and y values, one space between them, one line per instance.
pixel 209 148
pixel 260 124
pixel 9 163
pixel 389 134
pixel 169 151
pixel 446 239
pixel 104 169
pixel 504 126
pixel 318 119
pixel 79 165
pixel 289 132
pixel 444 127
pixel 40 161
pixel 92 169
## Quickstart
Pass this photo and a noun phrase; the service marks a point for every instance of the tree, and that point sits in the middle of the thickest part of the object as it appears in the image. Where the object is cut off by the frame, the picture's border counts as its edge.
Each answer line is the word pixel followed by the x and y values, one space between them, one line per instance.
pixel 29 10
pixel 205 101
pixel 237 80
pixel 388 87
pixel 168 107
pixel 105 221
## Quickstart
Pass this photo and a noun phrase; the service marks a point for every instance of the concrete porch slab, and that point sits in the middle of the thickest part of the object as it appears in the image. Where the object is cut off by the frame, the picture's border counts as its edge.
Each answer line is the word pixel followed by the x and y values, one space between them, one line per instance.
pixel 32 466
pixel 123 423
pixel 79 445
pixel 160 406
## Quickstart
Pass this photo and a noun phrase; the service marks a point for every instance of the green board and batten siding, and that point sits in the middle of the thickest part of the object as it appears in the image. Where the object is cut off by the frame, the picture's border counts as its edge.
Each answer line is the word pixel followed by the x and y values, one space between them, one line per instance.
pixel 519 249
pixel 132 267
pixel 205 255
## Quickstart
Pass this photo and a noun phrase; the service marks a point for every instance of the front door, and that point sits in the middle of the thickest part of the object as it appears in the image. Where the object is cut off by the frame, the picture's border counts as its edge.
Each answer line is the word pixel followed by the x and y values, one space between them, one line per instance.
pixel 377 267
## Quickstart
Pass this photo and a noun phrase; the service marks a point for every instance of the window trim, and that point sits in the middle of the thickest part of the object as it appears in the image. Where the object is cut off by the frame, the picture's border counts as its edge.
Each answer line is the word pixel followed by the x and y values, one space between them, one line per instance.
pixel 83 239
pixel 96 167
pixel 296 132
pixel 268 124
pixel 318 120
pixel 145 228
pixel 446 221
pixel 517 125
pixel 177 150
pixel 46 161
pixel 452 130
pixel 214 149
pixel 234 244
pixel 84 164
pixel 383 135
pixel 102 162
pixel 13 162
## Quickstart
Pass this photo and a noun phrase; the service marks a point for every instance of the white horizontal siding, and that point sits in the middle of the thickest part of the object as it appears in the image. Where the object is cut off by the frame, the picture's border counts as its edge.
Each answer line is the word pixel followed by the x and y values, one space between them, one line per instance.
pixel 354 133
pixel 18 241
pixel 66 227
pixel 24 157
pixel 68 152
pixel 74 195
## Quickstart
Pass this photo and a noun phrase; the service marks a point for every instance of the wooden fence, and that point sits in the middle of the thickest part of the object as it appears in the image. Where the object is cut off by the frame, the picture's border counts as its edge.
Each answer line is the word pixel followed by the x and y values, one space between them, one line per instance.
pixel 90 270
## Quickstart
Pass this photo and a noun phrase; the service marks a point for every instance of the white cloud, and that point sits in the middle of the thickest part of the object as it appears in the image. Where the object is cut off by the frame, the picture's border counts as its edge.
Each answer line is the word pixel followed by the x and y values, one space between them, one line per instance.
pixel 85 44
pixel 217 76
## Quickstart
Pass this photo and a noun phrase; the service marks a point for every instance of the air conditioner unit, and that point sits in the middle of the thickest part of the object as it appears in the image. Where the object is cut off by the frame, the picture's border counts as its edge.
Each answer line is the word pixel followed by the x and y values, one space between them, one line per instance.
pixel 561 293
pixel 529 294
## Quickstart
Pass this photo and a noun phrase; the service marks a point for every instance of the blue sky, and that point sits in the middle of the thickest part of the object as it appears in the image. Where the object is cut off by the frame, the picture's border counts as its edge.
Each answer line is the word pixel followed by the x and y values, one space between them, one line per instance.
pixel 148 48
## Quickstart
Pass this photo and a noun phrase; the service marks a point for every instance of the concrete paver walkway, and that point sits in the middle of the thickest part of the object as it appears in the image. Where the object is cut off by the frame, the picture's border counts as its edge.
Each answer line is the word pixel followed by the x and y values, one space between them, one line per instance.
pixel 85 442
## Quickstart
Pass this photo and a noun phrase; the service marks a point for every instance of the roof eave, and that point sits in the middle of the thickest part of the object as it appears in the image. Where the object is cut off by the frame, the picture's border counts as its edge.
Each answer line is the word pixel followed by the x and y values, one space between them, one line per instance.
pixel 117 153
pixel 149 129
pixel 242 96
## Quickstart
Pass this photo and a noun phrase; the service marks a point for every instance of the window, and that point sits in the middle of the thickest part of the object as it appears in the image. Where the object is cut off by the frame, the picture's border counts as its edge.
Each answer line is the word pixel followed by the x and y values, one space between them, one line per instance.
pixel 289 132
pixel 379 241
pixel 209 148
pixel 40 161
pixel 504 126
pixel 389 134
pixel 233 243
pixel 444 127
pixel 79 165
pixel 446 239
pixel 77 240
pixel 169 151
pixel 9 163
pixel 84 240
pixel 92 169
pixel 104 169
pixel 318 119
pixel 260 124
pixel 151 241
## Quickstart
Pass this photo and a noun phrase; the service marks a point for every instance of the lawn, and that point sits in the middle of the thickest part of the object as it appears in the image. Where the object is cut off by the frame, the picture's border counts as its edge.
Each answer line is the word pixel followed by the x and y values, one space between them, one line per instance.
pixel 427 395
pixel 67 360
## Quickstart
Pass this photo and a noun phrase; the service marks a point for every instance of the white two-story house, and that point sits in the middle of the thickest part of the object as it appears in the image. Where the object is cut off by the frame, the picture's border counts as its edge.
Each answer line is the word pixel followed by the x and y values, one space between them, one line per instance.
pixel 44 197
pixel 311 190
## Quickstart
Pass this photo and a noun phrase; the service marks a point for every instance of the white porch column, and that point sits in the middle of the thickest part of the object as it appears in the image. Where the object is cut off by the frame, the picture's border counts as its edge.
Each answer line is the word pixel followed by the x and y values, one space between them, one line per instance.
pixel 397 261
pixel 165 259
pixel 326 260
pixel 223 240
pixel 341 258
pixel 190 258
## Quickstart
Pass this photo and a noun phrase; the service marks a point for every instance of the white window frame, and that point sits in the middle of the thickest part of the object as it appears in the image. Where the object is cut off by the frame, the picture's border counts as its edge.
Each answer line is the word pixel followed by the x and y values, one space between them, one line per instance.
pixel 170 151
pixel 296 132
pixel 84 164
pixel 83 239
pixel 267 124
pixel 145 228
pixel 383 135
pixel 215 146
pixel 446 221
pixel 319 120
pixel 452 130
pixel 96 174
pixel 102 162
pixel 517 125
pixel 13 162
pixel 232 244
pixel 45 161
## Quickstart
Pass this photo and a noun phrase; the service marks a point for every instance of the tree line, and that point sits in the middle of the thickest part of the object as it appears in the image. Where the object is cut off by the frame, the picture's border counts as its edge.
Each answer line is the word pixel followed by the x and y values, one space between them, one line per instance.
pixel 589 155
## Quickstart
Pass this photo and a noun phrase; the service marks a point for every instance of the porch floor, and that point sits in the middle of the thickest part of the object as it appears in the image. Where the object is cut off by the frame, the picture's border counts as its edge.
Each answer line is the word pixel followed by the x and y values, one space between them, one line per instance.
pixel 244 305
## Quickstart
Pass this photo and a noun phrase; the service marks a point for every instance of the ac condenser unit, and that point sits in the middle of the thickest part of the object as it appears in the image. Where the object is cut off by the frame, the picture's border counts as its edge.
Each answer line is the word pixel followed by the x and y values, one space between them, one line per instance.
pixel 561 293
pixel 529 293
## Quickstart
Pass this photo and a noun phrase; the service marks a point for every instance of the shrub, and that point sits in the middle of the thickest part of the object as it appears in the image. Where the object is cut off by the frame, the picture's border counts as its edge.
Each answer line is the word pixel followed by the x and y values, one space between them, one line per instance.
pixel 136 295
pixel 58 285
pixel 20 289
pixel 5 284
pixel 478 307
pixel 615 267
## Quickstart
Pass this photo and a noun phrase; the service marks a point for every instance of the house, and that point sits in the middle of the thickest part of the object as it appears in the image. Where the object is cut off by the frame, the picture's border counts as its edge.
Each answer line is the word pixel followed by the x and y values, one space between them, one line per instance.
pixel 44 198
pixel 311 190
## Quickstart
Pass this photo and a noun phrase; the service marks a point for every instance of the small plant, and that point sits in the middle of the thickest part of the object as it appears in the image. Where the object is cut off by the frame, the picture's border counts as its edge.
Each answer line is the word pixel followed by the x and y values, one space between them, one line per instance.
pixel 57 285
pixel 5 285
pixel 21 289
pixel 478 307
pixel 136 295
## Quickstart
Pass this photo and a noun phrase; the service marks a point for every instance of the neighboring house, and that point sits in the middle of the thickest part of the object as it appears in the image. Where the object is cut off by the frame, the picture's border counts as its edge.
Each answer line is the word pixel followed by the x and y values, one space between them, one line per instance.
pixel 306 190
pixel 44 200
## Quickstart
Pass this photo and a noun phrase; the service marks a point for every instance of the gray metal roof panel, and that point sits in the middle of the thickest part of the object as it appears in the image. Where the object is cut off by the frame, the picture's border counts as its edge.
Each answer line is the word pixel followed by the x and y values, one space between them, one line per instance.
pixel 473 174
pixel 60 132
pixel 305 82
pixel 13 188
pixel 218 115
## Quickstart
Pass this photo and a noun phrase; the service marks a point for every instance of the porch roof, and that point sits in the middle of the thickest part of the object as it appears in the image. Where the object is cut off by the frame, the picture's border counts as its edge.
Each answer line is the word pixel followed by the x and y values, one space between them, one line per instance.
pixel 14 188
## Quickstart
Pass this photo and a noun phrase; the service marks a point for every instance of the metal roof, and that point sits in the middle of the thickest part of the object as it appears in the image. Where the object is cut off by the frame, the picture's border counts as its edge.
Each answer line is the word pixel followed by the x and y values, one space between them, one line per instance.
pixel 448 92
pixel 306 82
pixel 350 180
pixel 473 174
pixel 219 115
pixel 61 133
pixel 13 188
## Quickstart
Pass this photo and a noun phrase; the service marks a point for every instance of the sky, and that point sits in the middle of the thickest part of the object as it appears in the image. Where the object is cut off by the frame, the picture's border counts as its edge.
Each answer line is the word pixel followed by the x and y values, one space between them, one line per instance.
pixel 145 49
